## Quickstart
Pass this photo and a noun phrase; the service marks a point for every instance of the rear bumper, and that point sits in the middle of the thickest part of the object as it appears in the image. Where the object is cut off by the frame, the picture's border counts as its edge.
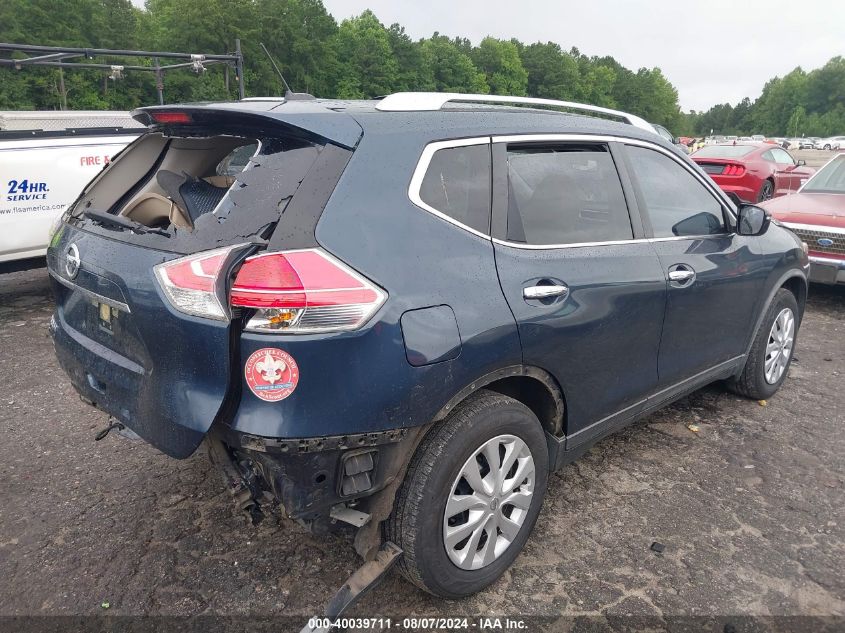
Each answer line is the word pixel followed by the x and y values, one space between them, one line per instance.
pixel 110 382
pixel 309 476
pixel 827 270
pixel 745 192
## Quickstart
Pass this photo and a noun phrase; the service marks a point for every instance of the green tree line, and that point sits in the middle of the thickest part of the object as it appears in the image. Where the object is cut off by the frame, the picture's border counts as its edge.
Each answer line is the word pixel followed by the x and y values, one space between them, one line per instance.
pixel 798 104
pixel 356 58
pixel 361 57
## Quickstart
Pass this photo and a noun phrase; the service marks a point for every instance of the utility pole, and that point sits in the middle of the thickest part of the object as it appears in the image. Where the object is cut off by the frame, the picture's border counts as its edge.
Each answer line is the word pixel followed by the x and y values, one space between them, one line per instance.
pixel 62 92
pixel 239 67
pixel 159 81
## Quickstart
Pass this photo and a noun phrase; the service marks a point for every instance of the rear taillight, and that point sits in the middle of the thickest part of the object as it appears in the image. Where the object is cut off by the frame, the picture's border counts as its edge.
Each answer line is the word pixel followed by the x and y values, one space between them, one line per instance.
pixel 304 291
pixel 190 283
pixel 291 291
pixel 733 170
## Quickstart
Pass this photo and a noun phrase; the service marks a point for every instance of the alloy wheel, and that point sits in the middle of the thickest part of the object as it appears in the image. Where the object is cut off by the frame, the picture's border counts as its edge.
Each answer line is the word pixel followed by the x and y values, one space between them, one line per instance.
pixel 488 502
pixel 779 346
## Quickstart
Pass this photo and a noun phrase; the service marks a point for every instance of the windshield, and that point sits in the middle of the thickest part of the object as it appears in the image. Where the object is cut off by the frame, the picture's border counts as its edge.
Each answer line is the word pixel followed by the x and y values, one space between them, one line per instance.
pixel 829 179
pixel 662 131
pixel 724 151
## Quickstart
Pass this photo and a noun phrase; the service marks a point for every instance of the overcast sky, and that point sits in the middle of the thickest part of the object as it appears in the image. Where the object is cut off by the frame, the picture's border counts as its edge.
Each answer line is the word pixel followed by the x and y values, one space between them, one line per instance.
pixel 713 51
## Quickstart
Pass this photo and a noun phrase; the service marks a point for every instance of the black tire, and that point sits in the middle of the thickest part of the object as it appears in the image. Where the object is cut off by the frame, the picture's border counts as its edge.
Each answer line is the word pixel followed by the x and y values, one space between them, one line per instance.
pixel 752 382
pixel 827 147
pixel 416 524
pixel 766 191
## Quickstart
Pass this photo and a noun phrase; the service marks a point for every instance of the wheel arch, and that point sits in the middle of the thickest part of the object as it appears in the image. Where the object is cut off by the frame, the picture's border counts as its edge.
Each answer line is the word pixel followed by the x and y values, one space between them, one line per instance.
pixel 534 387
pixel 793 280
pixel 798 286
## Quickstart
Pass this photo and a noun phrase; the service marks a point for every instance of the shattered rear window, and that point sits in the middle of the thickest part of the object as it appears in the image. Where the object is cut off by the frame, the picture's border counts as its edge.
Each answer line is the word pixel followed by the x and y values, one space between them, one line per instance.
pixel 261 188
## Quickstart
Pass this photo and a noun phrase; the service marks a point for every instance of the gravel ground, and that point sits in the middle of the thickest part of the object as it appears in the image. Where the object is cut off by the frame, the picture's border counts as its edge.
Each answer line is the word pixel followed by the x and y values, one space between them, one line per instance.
pixel 751 509
pixel 815 157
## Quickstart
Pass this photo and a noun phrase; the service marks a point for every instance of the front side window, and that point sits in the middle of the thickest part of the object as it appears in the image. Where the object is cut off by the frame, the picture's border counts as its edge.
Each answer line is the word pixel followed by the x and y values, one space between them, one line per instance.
pixel 677 203
pixel 781 157
pixel 565 194
pixel 457 184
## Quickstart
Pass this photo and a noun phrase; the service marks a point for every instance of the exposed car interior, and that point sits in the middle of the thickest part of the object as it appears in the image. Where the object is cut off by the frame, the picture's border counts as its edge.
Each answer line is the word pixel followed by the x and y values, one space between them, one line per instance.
pixel 183 179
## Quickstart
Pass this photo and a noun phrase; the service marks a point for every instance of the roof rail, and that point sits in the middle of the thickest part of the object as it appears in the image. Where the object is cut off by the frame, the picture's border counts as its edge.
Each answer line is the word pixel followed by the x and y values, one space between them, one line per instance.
pixel 418 101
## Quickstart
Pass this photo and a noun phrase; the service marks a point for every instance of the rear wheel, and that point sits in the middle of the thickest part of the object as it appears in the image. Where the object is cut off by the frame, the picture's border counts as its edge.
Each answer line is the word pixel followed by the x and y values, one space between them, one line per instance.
pixel 771 353
pixel 766 191
pixel 471 496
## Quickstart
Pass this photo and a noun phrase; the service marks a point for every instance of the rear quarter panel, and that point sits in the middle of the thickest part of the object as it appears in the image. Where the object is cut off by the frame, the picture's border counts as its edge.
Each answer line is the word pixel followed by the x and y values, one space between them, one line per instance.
pixel 362 381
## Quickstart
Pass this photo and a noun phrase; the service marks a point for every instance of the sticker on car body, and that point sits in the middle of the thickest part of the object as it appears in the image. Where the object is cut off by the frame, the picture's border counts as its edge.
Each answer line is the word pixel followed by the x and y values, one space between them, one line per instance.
pixel 271 374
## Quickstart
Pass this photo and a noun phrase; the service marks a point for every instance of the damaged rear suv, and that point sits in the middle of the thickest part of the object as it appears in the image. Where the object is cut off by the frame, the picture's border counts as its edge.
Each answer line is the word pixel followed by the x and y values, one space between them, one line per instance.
pixel 402 315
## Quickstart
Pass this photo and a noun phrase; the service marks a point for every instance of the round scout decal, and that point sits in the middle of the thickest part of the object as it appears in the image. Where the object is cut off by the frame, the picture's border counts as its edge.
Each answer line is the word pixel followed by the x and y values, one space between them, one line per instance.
pixel 271 374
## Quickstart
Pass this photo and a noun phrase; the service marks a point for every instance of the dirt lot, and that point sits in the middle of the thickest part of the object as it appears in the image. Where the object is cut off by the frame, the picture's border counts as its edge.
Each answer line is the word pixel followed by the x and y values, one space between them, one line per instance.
pixel 751 509
pixel 815 157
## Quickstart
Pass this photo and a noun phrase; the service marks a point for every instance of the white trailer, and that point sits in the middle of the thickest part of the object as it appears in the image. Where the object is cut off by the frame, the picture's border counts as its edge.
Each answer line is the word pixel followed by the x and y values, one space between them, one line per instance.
pixel 46 158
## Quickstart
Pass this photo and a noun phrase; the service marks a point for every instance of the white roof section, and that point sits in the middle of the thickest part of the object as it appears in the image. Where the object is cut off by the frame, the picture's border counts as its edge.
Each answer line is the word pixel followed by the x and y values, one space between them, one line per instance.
pixel 421 101
pixel 52 121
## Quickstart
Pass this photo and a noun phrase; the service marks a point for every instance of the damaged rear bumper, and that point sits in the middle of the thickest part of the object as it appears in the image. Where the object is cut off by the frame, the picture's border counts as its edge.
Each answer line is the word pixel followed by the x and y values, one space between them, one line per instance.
pixel 306 478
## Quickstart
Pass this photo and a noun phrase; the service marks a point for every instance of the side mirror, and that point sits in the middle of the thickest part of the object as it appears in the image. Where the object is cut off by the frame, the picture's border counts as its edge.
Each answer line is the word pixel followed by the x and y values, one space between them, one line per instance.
pixel 752 220
pixel 801 162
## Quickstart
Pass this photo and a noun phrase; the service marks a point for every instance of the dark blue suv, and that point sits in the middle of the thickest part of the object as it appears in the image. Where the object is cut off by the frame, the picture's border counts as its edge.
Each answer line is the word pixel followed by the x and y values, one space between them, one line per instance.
pixel 402 315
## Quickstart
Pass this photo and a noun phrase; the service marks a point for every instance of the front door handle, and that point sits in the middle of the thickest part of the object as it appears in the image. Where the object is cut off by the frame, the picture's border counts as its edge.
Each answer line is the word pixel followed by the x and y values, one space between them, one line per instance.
pixel 681 276
pixel 544 292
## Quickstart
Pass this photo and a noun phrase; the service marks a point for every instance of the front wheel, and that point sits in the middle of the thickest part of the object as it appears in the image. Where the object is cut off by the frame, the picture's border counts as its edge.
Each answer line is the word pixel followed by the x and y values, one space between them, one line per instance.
pixel 471 496
pixel 771 353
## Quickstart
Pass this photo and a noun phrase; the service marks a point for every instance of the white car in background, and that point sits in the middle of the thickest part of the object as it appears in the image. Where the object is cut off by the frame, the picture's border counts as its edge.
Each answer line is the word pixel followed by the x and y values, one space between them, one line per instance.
pixel 831 142
pixel 46 158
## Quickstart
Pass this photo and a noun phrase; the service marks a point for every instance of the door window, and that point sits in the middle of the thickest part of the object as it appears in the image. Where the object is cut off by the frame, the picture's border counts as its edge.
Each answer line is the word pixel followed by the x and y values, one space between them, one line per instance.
pixel 662 131
pixel 677 203
pixel 565 194
pixel 782 157
pixel 457 184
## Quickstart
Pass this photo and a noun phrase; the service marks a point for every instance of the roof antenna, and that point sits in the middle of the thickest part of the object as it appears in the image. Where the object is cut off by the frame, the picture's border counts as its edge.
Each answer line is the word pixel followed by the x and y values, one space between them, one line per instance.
pixel 290 95
pixel 288 91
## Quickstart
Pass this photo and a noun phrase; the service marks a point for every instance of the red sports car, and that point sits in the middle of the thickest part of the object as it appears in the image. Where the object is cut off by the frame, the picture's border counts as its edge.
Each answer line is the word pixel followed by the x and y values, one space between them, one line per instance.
pixel 753 171
pixel 817 215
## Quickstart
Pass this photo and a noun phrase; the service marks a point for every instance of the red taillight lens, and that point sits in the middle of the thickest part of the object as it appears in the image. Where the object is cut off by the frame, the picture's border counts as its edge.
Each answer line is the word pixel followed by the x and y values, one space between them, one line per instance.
pixel 190 283
pixel 733 170
pixel 292 291
pixel 171 117
pixel 304 291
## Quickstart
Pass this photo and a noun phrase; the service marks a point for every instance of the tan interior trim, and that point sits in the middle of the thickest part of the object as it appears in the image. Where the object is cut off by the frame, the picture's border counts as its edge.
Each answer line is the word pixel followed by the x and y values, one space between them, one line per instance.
pixel 152 209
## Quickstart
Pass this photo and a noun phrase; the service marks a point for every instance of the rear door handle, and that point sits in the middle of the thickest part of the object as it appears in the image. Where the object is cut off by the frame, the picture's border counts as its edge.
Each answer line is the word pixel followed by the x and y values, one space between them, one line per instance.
pixel 544 292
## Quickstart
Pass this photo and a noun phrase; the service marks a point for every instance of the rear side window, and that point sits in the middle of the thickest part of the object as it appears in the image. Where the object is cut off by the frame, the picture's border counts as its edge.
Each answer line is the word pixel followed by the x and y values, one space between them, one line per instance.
pixel 457 184
pixel 565 195
pixel 678 204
